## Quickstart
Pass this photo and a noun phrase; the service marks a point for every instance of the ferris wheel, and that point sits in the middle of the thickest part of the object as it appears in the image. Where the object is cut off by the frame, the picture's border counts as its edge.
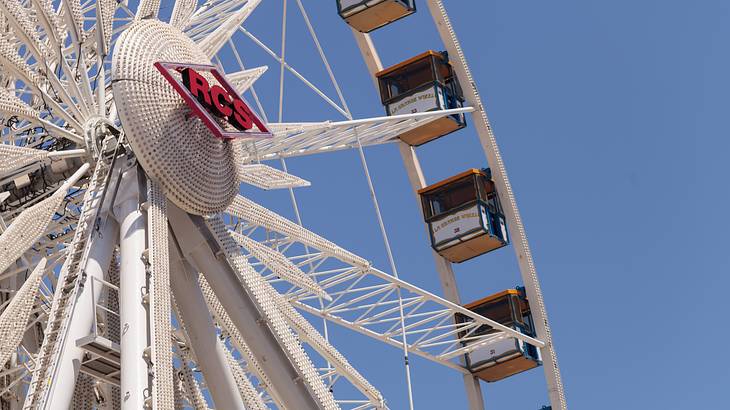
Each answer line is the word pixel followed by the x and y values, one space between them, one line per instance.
pixel 133 273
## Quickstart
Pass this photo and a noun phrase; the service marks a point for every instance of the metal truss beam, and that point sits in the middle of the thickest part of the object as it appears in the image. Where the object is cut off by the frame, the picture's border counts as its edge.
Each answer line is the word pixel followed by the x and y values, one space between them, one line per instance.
pixel 365 299
pixel 296 139
pixel 160 303
pixel 196 248
pixel 210 355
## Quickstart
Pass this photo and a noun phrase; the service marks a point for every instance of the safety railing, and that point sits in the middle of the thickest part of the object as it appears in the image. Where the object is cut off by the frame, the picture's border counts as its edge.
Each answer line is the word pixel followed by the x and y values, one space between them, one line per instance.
pixel 105 300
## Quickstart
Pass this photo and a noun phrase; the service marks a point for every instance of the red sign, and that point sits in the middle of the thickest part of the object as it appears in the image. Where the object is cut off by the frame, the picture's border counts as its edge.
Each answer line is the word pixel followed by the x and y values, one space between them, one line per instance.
pixel 213 101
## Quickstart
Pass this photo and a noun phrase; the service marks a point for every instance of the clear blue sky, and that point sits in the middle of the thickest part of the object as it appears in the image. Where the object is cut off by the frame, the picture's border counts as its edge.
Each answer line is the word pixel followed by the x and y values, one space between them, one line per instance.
pixel 611 117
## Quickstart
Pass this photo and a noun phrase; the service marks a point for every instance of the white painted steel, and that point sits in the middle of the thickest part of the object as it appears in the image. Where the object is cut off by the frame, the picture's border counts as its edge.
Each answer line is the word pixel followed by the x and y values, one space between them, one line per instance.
pixel 386 242
pixel 27 228
pixel 100 255
pixel 11 105
pixel 244 79
pixel 212 42
pixel 148 9
pixel 209 16
pixel 104 28
pixel 160 304
pixel 132 288
pixel 15 316
pixel 308 333
pixel 266 177
pixel 63 86
pixel 264 297
pixel 197 171
pixel 279 264
pixel 68 286
pixel 249 394
pixel 71 153
pixel 229 330
pixel 210 355
pixel 194 393
pixel 13 157
pixel 83 394
pixel 181 13
pixel 364 298
pixel 296 139
pixel 393 268
pixel 243 312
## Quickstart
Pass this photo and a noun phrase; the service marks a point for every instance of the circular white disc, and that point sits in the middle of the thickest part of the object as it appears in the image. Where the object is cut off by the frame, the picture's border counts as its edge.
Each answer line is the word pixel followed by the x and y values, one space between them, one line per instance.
pixel 197 170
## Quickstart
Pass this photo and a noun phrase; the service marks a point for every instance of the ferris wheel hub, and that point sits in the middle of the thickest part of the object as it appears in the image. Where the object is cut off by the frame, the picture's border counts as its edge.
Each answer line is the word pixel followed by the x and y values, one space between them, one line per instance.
pixel 98 130
pixel 197 171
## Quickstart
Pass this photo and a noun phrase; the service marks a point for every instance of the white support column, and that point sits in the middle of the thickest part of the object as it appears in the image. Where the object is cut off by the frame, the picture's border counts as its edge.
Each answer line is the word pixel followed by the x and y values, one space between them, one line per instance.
pixel 209 353
pixel 102 246
pixel 506 196
pixel 245 316
pixel 134 338
pixel 417 180
pixel 12 283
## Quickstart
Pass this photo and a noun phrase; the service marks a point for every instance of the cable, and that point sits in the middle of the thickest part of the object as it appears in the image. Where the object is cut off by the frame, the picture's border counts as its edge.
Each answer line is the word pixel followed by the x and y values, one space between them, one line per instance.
pixel 282 61
pixel 374 198
pixel 324 58
pixel 292 195
pixel 346 112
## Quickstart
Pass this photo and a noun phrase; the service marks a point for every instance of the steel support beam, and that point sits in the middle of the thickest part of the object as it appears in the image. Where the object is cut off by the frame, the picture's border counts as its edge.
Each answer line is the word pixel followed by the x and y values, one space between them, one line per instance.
pixel 101 251
pixel 417 180
pixel 12 282
pixel 201 250
pixel 30 340
pixel 209 353
pixel 134 338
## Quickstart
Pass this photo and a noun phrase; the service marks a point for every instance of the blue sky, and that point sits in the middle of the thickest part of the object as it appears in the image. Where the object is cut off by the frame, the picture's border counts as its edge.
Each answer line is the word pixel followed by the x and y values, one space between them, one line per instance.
pixel 611 117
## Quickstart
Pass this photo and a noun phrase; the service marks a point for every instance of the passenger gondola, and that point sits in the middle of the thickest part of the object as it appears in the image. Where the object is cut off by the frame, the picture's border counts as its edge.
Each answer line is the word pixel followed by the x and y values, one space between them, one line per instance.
pixel 506 356
pixel 368 15
pixel 464 216
pixel 425 82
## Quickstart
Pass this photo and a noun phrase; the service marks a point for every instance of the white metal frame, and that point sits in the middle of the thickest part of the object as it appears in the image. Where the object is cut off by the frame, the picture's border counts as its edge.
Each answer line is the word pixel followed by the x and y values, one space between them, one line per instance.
pixel 132 289
pixel 72 46
pixel 363 298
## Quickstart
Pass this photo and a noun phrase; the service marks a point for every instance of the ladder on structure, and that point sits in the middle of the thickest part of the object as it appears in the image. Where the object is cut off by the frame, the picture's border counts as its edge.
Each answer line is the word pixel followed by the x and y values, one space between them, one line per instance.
pixel 70 281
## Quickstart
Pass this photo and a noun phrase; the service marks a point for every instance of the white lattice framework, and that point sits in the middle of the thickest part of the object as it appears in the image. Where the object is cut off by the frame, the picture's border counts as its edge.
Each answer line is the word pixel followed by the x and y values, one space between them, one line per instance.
pixel 81 109
pixel 362 298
